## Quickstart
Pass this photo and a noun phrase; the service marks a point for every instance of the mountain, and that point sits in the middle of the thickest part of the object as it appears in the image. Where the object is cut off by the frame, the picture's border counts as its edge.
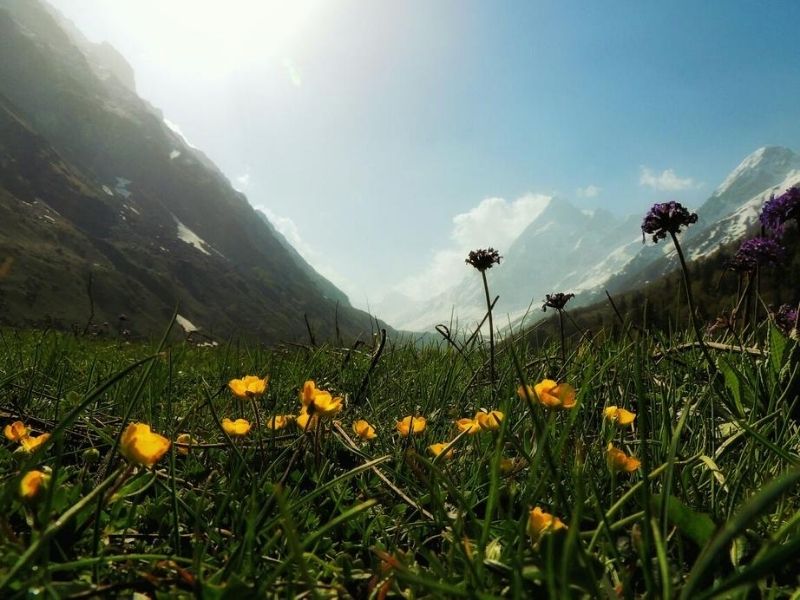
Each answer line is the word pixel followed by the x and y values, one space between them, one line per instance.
pixel 729 214
pixel 565 249
pixel 107 210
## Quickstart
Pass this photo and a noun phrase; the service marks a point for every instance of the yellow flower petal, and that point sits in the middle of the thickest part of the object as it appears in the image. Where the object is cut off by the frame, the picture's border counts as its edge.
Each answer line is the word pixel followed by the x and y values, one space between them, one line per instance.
pixel 140 445
pixel 278 421
pixel 248 386
pixel 552 394
pixel 489 421
pixel 32 484
pixel 326 405
pixel 619 461
pixel 15 431
pixel 32 443
pixel 437 449
pixel 471 426
pixel 411 426
pixel 541 523
pixel 184 438
pixel 306 421
pixel 364 430
pixel 237 428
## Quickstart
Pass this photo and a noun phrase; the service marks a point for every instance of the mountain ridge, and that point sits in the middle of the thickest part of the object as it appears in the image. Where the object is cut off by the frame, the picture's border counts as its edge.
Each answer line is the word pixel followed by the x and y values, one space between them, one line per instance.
pixel 122 215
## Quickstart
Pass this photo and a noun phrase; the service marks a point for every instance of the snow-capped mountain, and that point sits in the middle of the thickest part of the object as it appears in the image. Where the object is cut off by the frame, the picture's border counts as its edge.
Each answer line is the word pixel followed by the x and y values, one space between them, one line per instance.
pixel 566 249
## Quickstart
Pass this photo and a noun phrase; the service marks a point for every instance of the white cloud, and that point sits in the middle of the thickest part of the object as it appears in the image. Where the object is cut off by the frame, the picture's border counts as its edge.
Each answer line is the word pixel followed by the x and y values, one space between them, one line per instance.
pixel 666 181
pixel 493 222
pixel 590 191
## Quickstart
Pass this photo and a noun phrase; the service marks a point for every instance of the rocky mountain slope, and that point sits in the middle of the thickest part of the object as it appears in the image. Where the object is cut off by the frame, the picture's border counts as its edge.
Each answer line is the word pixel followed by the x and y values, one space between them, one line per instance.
pixel 105 208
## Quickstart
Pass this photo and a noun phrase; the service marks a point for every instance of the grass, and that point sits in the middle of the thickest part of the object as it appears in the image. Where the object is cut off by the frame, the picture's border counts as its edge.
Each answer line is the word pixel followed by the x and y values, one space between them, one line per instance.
pixel 714 508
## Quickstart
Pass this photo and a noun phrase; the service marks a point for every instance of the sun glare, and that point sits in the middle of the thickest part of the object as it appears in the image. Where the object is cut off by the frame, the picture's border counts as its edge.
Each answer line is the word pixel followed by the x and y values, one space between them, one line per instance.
pixel 219 37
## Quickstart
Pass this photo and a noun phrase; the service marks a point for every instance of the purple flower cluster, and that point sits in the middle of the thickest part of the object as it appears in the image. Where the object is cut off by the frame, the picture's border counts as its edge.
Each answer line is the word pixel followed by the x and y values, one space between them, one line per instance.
pixel 483 259
pixel 665 218
pixel 786 319
pixel 777 212
pixel 756 252
pixel 558 300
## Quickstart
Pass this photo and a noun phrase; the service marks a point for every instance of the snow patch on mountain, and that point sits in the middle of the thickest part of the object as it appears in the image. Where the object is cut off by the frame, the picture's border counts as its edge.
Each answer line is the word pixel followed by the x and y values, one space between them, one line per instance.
pixel 190 237
pixel 187 325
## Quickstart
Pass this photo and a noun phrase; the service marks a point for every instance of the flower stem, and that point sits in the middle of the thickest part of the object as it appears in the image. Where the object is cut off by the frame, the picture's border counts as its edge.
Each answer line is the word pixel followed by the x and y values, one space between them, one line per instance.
pixel 690 301
pixel 491 328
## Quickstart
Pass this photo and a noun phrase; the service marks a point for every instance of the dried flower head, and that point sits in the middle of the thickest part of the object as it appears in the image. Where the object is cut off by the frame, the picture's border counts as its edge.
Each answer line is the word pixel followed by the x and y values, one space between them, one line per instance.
pixel 483 259
pixel 557 300
pixel 786 320
pixel 756 252
pixel 665 218
pixel 777 212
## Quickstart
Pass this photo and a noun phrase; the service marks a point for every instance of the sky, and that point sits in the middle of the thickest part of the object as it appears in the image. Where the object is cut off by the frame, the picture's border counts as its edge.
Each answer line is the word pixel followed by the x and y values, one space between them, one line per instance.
pixel 383 138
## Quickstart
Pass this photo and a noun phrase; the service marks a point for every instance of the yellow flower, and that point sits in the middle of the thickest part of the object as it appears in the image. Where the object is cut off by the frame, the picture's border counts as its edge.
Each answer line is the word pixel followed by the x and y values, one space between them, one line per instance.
pixel 32 443
pixel 308 392
pixel 279 421
pixel 15 431
pixel 184 438
pixel 248 386
pixel 326 405
pixel 237 428
pixel 507 465
pixel 620 416
pixel 32 484
pixel 364 430
pixel 489 421
pixel 619 461
pixel 437 449
pixel 471 426
pixel 541 523
pixel 142 446
pixel 554 395
pixel 525 392
pixel 305 420
pixel 411 426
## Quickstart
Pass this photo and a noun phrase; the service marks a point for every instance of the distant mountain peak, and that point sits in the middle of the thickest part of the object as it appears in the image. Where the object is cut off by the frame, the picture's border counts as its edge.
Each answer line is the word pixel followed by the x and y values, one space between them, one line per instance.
pixel 764 161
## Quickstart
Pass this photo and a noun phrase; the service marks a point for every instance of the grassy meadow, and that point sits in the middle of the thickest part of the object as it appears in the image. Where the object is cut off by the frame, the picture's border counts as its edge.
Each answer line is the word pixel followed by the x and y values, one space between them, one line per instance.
pixel 703 501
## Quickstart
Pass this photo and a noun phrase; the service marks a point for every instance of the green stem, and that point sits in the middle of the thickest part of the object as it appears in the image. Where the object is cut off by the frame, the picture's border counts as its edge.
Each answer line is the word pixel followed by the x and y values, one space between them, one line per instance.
pixel 491 329
pixel 690 301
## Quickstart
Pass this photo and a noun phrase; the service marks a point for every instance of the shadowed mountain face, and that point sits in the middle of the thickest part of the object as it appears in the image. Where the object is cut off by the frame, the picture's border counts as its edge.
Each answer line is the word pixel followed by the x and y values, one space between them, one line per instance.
pixel 96 187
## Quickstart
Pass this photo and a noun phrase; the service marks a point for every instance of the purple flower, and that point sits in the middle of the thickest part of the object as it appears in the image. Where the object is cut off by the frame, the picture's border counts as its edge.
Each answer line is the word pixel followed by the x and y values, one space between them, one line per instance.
pixel 756 252
pixel 665 218
pixel 777 212
pixel 786 319
pixel 483 259
pixel 558 300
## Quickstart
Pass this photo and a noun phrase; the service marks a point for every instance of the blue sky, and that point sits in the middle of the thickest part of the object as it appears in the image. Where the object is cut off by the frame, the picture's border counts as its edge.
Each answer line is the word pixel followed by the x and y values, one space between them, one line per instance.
pixel 366 127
